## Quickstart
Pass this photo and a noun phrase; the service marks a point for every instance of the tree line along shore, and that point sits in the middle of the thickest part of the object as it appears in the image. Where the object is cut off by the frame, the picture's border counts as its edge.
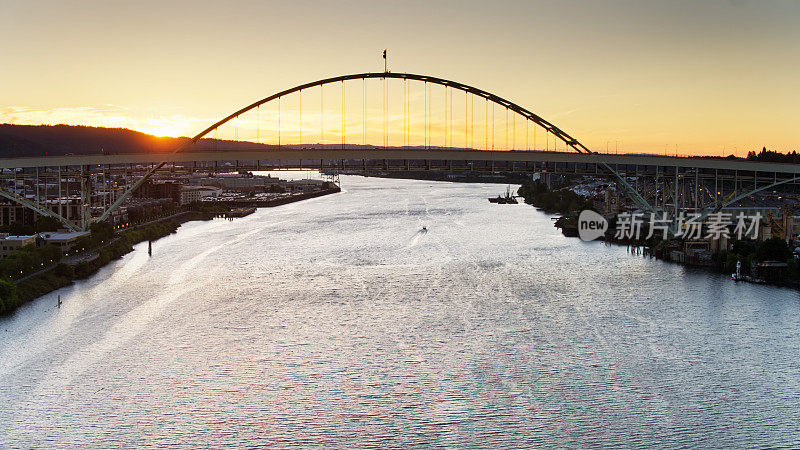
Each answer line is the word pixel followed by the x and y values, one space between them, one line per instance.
pixel 748 254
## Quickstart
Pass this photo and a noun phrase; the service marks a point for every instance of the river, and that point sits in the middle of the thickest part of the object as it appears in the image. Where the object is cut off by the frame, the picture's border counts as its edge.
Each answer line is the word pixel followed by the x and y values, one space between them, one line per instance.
pixel 338 322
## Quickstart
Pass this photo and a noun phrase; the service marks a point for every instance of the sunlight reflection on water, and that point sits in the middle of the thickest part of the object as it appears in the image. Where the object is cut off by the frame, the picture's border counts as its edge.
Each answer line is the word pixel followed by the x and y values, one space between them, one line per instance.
pixel 337 322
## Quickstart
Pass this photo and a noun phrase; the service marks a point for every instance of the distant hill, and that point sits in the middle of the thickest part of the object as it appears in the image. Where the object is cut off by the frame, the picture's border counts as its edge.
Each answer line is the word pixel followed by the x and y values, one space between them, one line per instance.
pixel 54 140
pixel 38 140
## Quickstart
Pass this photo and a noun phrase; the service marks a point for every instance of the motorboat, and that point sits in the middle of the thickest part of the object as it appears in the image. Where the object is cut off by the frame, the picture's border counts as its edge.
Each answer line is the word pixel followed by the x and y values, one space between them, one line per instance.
pixel 737 276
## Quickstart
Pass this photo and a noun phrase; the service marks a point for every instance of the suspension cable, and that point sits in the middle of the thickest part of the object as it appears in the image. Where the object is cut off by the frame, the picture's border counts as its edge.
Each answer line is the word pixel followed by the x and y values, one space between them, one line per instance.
pixel 344 139
pixel 445 116
pixel 300 108
pixel 405 112
pixel 364 110
pixel 279 121
pixel 408 113
pixel 486 125
pixel 452 122
pixel 426 116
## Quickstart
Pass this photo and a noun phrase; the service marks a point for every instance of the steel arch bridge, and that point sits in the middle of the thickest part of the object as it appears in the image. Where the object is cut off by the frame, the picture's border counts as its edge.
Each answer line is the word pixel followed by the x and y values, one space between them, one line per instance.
pixel 557 132
pixel 576 148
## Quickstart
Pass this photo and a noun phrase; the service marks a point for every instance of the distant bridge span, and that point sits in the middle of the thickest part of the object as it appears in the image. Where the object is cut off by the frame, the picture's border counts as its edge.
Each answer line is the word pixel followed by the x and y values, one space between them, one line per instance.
pixel 309 155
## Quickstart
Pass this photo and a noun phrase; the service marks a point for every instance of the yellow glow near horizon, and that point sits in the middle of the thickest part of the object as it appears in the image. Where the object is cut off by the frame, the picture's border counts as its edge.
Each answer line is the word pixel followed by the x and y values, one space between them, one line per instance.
pixel 164 127
pixel 104 116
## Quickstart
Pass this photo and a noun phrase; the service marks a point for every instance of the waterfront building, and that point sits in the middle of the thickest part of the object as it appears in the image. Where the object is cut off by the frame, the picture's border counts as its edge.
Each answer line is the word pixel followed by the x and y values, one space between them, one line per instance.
pixel 10 244
pixel 160 189
pixel 190 194
pixel 237 182
pixel 67 207
pixel 304 185
pixel 141 208
pixel 65 240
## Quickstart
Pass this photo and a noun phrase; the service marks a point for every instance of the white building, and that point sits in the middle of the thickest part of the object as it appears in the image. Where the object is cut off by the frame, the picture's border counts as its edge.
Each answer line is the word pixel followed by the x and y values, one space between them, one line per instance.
pixel 305 185
pixel 64 239
pixel 191 194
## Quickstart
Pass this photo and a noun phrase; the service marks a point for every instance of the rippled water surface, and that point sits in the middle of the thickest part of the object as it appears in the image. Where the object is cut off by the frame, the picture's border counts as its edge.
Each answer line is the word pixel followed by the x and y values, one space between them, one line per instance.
pixel 337 322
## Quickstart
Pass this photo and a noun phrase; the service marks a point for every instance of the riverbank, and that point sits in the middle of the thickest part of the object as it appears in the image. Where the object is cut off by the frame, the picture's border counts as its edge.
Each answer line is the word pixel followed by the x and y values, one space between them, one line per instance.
pixel 64 274
pixel 769 261
pixel 107 246
pixel 268 203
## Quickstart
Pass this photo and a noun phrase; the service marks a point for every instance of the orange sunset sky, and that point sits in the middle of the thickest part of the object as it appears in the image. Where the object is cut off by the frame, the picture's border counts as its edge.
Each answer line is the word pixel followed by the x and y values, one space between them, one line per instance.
pixel 705 77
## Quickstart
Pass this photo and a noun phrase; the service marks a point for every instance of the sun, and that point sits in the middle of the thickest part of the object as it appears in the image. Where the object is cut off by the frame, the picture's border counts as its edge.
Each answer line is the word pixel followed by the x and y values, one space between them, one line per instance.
pixel 166 126
pixel 163 131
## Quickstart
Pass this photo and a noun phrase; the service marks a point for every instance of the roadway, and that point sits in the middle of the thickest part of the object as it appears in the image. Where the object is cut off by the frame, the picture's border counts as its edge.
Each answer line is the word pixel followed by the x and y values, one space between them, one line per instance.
pixel 310 154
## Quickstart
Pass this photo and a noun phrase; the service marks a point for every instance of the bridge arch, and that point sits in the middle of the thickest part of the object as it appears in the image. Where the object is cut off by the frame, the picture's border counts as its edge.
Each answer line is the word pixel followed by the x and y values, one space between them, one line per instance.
pixel 529 115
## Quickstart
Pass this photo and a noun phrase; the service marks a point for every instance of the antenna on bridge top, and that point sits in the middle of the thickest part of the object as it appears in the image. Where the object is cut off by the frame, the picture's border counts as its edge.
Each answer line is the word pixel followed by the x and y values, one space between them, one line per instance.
pixel 385 62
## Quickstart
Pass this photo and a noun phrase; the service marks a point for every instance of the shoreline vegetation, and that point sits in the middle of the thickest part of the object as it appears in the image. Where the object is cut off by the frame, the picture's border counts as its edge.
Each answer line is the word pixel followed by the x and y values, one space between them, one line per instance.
pixel 751 254
pixel 104 245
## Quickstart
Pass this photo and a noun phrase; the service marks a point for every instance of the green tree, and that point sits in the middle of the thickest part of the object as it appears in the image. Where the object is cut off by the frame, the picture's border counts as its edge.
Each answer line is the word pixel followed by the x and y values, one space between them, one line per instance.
pixel 774 249
pixel 730 262
pixel 8 296
pixel 64 270
pixel 17 229
pixel 102 230
pixel 83 269
pixel 45 223
pixel 792 269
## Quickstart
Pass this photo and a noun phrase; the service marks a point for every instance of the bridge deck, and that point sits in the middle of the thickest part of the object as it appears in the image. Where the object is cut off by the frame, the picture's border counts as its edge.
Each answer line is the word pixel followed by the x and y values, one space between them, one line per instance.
pixel 293 154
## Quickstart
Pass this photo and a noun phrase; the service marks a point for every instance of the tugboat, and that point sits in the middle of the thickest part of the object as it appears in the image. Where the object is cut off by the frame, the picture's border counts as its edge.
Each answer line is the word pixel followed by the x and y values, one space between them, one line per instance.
pixel 739 277
pixel 507 200
pixel 510 199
